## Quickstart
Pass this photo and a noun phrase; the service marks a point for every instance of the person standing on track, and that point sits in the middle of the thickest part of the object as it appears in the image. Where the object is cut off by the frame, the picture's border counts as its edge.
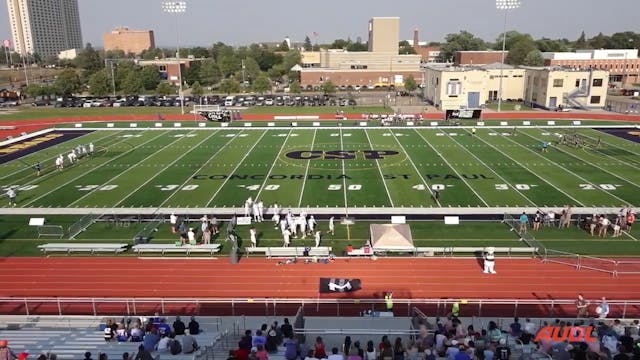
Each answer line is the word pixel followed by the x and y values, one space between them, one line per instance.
pixel 254 236
pixel 582 306
pixel 332 227
pixel 317 236
pixel 489 261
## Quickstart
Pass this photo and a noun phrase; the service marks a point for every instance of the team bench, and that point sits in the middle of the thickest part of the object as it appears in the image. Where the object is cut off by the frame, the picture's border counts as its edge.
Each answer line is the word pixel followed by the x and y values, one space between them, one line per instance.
pixel 288 251
pixel 84 247
pixel 172 248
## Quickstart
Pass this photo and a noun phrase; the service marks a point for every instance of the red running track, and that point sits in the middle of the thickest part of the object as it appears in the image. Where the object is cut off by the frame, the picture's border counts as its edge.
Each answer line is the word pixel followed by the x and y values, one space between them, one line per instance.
pixel 433 278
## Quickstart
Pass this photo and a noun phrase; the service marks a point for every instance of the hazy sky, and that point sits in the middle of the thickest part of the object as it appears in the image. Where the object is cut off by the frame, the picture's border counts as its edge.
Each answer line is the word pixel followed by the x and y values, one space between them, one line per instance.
pixel 245 21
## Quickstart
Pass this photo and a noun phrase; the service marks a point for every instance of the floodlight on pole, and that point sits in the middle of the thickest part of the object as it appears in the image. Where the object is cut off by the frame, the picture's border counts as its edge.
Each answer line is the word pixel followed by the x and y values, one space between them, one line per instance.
pixel 177 7
pixel 504 5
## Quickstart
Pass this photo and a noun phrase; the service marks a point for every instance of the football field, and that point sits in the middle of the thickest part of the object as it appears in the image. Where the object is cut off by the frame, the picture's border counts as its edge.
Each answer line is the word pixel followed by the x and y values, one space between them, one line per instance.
pixel 342 167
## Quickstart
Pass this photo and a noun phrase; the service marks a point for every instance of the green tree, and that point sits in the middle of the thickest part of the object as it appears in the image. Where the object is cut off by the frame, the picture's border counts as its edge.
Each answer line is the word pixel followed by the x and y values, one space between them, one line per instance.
pixel 89 60
pixel 581 43
pixel 209 72
pixel 220 50
pixel 262 84
pixel 549 45
pixel 534 58
pixel 34 90
pixel 197 89
pixel 520 49
pixel 132 84
pixel 328 88
pixel 295 87
pixel 229 86
pixel 357 46
pixel 100 83
pixel 198 52
pixel 339 44
pixel 150 77
pixel 68 82
pixel 152 54
pixel 405 48
pixel 291 58
pixel 228 65
pixel 122 70
pixel 284 46
pixel 462 41
pixel 164 88
pixel 410 84
pixel 599 41
pixel 251 69
pixel 191 74
pixel 307 44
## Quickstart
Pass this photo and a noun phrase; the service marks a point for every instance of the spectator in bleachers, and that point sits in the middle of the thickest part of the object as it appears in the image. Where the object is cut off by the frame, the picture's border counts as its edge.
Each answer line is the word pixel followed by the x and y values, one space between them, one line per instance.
pixel 429 354
pixel 102 356
pixel 278 333
pixel 163 344
pixel 494 332
pixel 178 326
pixel 121 334
pixel 261 353
pixel 353 355
pixel 291 347
pixel 194 326
pixel 633 330
pixel 287 329
pixel 189 343
pixel 175 347
pixel 335 355
pixel 87 356
pixel 516 328
pixel 370 353
pixel 346 346
pixel 488 353
pixel 246 342
pixel 503 352
pixel 242 353
pixel 163 327
pixel 384 339
pixel 310 355
pixel 398 349
pixel 151 340
pixel 259 339
pixel 125 356
pixel 387 351
pixel 232 355
pixel 136 332
pixel 452 350
pixel 272 342
pixel 108 331
pixel 358 347
pixel 320 350
pixel 412 351
pixel 143 353
pixel 5 351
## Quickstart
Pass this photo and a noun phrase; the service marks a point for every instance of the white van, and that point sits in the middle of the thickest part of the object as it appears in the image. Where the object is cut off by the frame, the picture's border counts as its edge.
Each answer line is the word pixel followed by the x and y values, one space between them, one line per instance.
pixel 228 101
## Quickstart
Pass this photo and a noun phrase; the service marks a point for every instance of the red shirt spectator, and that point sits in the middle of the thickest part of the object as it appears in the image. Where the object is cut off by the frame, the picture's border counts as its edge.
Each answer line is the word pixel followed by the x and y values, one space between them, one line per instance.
pixel 242 354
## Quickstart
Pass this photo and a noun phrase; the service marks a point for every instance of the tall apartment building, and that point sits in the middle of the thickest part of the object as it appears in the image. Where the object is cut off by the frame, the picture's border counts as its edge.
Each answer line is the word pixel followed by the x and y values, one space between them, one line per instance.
pixel 129 41
pixel 45 27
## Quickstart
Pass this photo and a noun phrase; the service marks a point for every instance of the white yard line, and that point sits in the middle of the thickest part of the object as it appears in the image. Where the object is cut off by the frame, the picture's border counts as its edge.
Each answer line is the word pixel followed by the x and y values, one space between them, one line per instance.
pixel 531 171
pixel 94 169
pixel 452 168
pixel 43 162
pixel 173 162
pixel 415 167
pixel 380 171
pixel 344 181
pixel 568 171
pixel 236 168
pixel 264 183
pixel 532 203
pixel 589 162
pixel 134 166
pixel 306 171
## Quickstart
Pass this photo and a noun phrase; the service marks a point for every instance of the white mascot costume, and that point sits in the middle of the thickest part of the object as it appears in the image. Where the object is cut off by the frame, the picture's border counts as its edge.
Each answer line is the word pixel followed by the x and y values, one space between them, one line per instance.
pixel 489 261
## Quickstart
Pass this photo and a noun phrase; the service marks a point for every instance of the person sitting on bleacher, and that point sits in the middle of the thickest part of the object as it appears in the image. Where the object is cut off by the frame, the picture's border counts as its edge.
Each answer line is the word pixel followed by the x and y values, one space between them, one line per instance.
pixel 143 354
pixel 194 326
pixel 272 342
pixel 261 353
pixel 121 334
pixel 291 351
pixel 108 332
pixel 163 327
pixel 151 339
pixel 189 343
pixel 175 347
pixel 163 344
pixel 136 332
pixel 178 326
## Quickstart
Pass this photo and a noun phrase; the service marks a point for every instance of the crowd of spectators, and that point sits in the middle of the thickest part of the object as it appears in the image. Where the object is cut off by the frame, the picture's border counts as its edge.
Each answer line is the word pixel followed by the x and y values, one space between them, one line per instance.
pixel 449 339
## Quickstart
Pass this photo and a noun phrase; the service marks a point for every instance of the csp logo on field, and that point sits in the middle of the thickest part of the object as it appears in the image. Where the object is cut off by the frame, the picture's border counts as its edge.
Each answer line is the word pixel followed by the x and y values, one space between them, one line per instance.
pixel 340 154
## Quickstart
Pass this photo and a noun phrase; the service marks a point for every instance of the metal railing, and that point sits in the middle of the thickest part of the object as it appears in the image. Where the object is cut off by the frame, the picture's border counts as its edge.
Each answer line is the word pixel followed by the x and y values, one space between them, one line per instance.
pixel 312 306
pixel 586 262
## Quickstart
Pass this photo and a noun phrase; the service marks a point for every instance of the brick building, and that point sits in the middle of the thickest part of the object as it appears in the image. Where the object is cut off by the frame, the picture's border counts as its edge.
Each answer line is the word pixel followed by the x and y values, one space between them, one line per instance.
pixel 478 57
pixel 623 65
pixel 129 41
pixel 170 68
pixel 428 54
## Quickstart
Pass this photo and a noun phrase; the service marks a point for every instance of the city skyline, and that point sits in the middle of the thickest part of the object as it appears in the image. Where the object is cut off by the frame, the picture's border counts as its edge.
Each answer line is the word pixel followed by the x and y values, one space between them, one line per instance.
pixel 204 24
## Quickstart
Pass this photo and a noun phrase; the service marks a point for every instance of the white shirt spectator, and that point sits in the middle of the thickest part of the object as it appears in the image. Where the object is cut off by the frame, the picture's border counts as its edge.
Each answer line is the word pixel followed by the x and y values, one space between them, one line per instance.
pixel 191 235
pixel 163 344
pixel 173 219
pixel 336 357
pixel 530 328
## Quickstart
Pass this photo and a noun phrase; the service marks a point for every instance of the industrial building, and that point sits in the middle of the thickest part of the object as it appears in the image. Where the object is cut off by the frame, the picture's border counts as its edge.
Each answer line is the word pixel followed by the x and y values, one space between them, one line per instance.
pixel 129 41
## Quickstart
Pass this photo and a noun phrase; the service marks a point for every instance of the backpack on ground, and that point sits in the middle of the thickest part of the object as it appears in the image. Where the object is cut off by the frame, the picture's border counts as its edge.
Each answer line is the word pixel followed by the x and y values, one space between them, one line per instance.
pixel 175 347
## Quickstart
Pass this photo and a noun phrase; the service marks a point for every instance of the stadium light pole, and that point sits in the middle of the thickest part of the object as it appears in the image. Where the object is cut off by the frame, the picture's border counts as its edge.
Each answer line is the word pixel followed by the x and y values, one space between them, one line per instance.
pixel 177 8
pixel 504 5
